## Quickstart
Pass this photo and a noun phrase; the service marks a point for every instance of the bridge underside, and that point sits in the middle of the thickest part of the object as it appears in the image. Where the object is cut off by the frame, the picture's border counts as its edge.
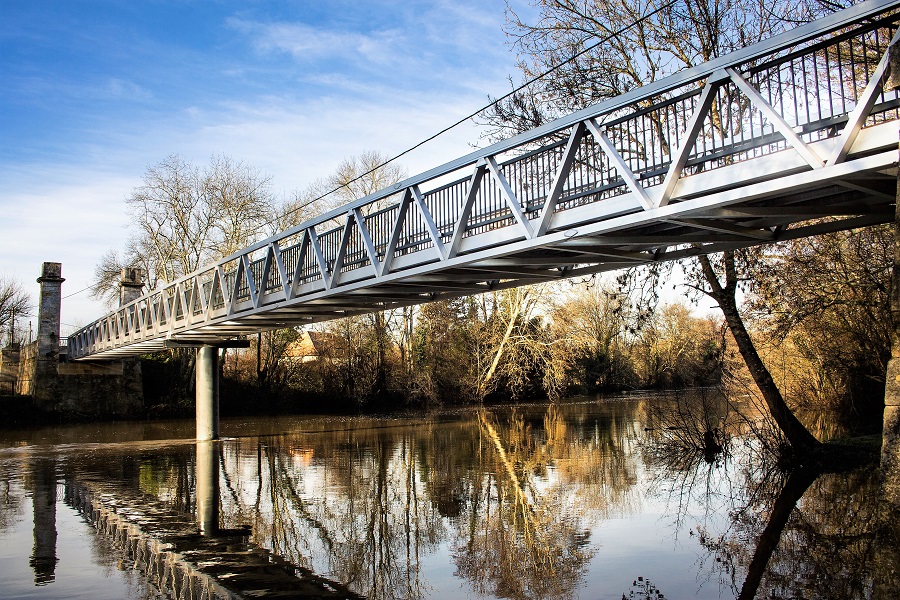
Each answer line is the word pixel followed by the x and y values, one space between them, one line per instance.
pixel 576 197
pixel 762 202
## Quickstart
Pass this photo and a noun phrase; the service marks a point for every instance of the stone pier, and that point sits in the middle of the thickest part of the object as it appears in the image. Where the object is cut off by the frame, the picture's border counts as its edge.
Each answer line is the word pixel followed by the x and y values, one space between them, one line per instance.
pixel 84 388
pixel 44 382
pixel 890 437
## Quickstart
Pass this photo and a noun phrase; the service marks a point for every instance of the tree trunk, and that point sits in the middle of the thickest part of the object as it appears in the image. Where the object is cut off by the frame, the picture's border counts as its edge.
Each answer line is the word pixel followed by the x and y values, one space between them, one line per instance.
pixel 483 384
pixel 381 354
pixel 801 440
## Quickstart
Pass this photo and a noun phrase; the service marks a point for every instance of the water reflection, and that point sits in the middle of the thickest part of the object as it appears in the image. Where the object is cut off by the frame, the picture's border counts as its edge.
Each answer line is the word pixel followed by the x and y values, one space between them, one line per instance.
pixel 207 477
pixel 43 492
pixel 590 499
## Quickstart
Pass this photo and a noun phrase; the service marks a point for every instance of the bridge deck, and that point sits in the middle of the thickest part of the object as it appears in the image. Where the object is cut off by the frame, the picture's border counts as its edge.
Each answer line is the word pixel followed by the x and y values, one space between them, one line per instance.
pixel 791 137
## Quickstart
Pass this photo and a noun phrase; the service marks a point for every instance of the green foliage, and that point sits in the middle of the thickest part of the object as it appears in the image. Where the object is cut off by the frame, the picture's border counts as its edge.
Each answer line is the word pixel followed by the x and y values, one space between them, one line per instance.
pixel 444 339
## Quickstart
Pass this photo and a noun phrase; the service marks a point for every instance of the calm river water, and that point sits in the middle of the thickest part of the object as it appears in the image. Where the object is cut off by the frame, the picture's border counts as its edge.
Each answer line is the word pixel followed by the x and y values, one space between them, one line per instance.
pixel 594 499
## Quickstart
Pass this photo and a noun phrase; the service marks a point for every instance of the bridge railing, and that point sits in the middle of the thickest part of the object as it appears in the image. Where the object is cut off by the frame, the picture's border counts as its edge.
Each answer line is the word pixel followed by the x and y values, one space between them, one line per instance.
pixel 819 81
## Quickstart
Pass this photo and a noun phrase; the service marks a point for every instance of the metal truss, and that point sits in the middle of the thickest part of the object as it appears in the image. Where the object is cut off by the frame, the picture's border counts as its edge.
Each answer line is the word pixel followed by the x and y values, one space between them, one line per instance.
pixel 794 136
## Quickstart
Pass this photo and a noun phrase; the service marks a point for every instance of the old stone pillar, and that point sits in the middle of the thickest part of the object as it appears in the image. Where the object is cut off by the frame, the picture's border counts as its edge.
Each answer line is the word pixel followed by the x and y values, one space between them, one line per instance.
pixel 131 285
pixel 131 392
pixel 47 360
pixel 207 378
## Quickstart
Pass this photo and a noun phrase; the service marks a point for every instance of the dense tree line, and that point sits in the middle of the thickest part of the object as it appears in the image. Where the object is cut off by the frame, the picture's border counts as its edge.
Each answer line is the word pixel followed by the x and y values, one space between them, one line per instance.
pixel 537 342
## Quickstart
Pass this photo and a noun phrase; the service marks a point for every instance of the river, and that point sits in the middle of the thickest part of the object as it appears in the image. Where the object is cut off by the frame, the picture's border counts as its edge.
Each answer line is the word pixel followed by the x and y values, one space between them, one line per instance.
pixel 590 498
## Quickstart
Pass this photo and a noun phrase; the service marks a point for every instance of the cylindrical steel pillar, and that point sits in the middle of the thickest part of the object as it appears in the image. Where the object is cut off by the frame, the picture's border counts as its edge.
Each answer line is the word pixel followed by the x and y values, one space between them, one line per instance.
pixel 207 369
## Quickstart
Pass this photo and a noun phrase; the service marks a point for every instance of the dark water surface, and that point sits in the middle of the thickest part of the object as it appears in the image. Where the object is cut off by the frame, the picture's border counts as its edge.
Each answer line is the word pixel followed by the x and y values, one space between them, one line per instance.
pixel 588 499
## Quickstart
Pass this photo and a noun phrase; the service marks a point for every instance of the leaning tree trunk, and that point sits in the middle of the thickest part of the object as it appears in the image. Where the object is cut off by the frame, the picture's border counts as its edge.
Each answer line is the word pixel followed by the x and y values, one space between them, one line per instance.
pixel 800 439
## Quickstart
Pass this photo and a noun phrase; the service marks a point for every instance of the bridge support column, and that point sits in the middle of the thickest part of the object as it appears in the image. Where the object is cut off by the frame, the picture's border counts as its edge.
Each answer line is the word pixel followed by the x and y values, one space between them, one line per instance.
pixel 207 380
pixel 206 367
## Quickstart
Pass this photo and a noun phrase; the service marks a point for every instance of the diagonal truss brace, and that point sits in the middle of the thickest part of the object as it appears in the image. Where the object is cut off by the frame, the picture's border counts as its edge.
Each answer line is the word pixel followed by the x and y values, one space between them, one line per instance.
pixel 462 219
pixel 511 201
pixel 864 105
pixel 619 163
pixel 559 180
pixel 777 121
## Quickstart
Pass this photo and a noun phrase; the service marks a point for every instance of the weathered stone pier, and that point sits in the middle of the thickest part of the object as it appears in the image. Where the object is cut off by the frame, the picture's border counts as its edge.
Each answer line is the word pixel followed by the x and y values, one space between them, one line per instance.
pixel 85 389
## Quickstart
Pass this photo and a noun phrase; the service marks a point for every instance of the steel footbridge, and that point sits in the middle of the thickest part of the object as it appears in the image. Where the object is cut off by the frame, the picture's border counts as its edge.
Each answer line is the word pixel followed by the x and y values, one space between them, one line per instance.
pixel 793 136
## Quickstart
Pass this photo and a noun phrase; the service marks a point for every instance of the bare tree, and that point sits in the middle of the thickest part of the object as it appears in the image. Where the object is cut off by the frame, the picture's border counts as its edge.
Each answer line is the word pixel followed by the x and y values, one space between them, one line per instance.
pixel 354 178
pixel 666 37
pixel 14 303
pixel 367 173
pixel 241 199
pixel 183 216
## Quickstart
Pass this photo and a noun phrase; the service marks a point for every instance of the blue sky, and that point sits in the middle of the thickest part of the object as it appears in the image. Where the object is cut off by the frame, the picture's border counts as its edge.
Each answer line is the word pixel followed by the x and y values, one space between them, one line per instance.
pixel 91 93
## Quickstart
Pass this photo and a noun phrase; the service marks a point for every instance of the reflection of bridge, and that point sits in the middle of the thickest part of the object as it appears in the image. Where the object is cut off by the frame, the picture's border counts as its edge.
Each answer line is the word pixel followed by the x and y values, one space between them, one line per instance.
pixel 790 137
pixel 192 558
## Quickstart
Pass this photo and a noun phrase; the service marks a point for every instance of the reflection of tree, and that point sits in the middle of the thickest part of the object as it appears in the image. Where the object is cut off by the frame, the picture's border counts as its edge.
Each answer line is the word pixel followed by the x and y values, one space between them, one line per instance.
pixel 805 534
pixel 772 533
pixel 693 421
pixel 522 534
pixel 168 477
pixel 11 498
pixel 362 504
pixel 831 545
pixel 367 529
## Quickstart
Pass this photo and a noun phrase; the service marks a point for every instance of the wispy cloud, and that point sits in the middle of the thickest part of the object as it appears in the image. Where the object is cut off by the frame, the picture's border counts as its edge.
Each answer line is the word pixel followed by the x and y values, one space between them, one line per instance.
pixel 306 43
pixel 290 91
pixel 122 89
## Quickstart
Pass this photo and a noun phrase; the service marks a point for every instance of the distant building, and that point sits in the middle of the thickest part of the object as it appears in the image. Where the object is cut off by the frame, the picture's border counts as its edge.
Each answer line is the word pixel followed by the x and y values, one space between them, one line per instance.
pixel 310 346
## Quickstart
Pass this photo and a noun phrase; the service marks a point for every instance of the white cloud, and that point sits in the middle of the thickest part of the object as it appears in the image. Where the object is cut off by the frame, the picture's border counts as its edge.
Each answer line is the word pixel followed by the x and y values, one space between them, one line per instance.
pixel 122 89
pixel 306 43
pixel 60 215
pixel 298 142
